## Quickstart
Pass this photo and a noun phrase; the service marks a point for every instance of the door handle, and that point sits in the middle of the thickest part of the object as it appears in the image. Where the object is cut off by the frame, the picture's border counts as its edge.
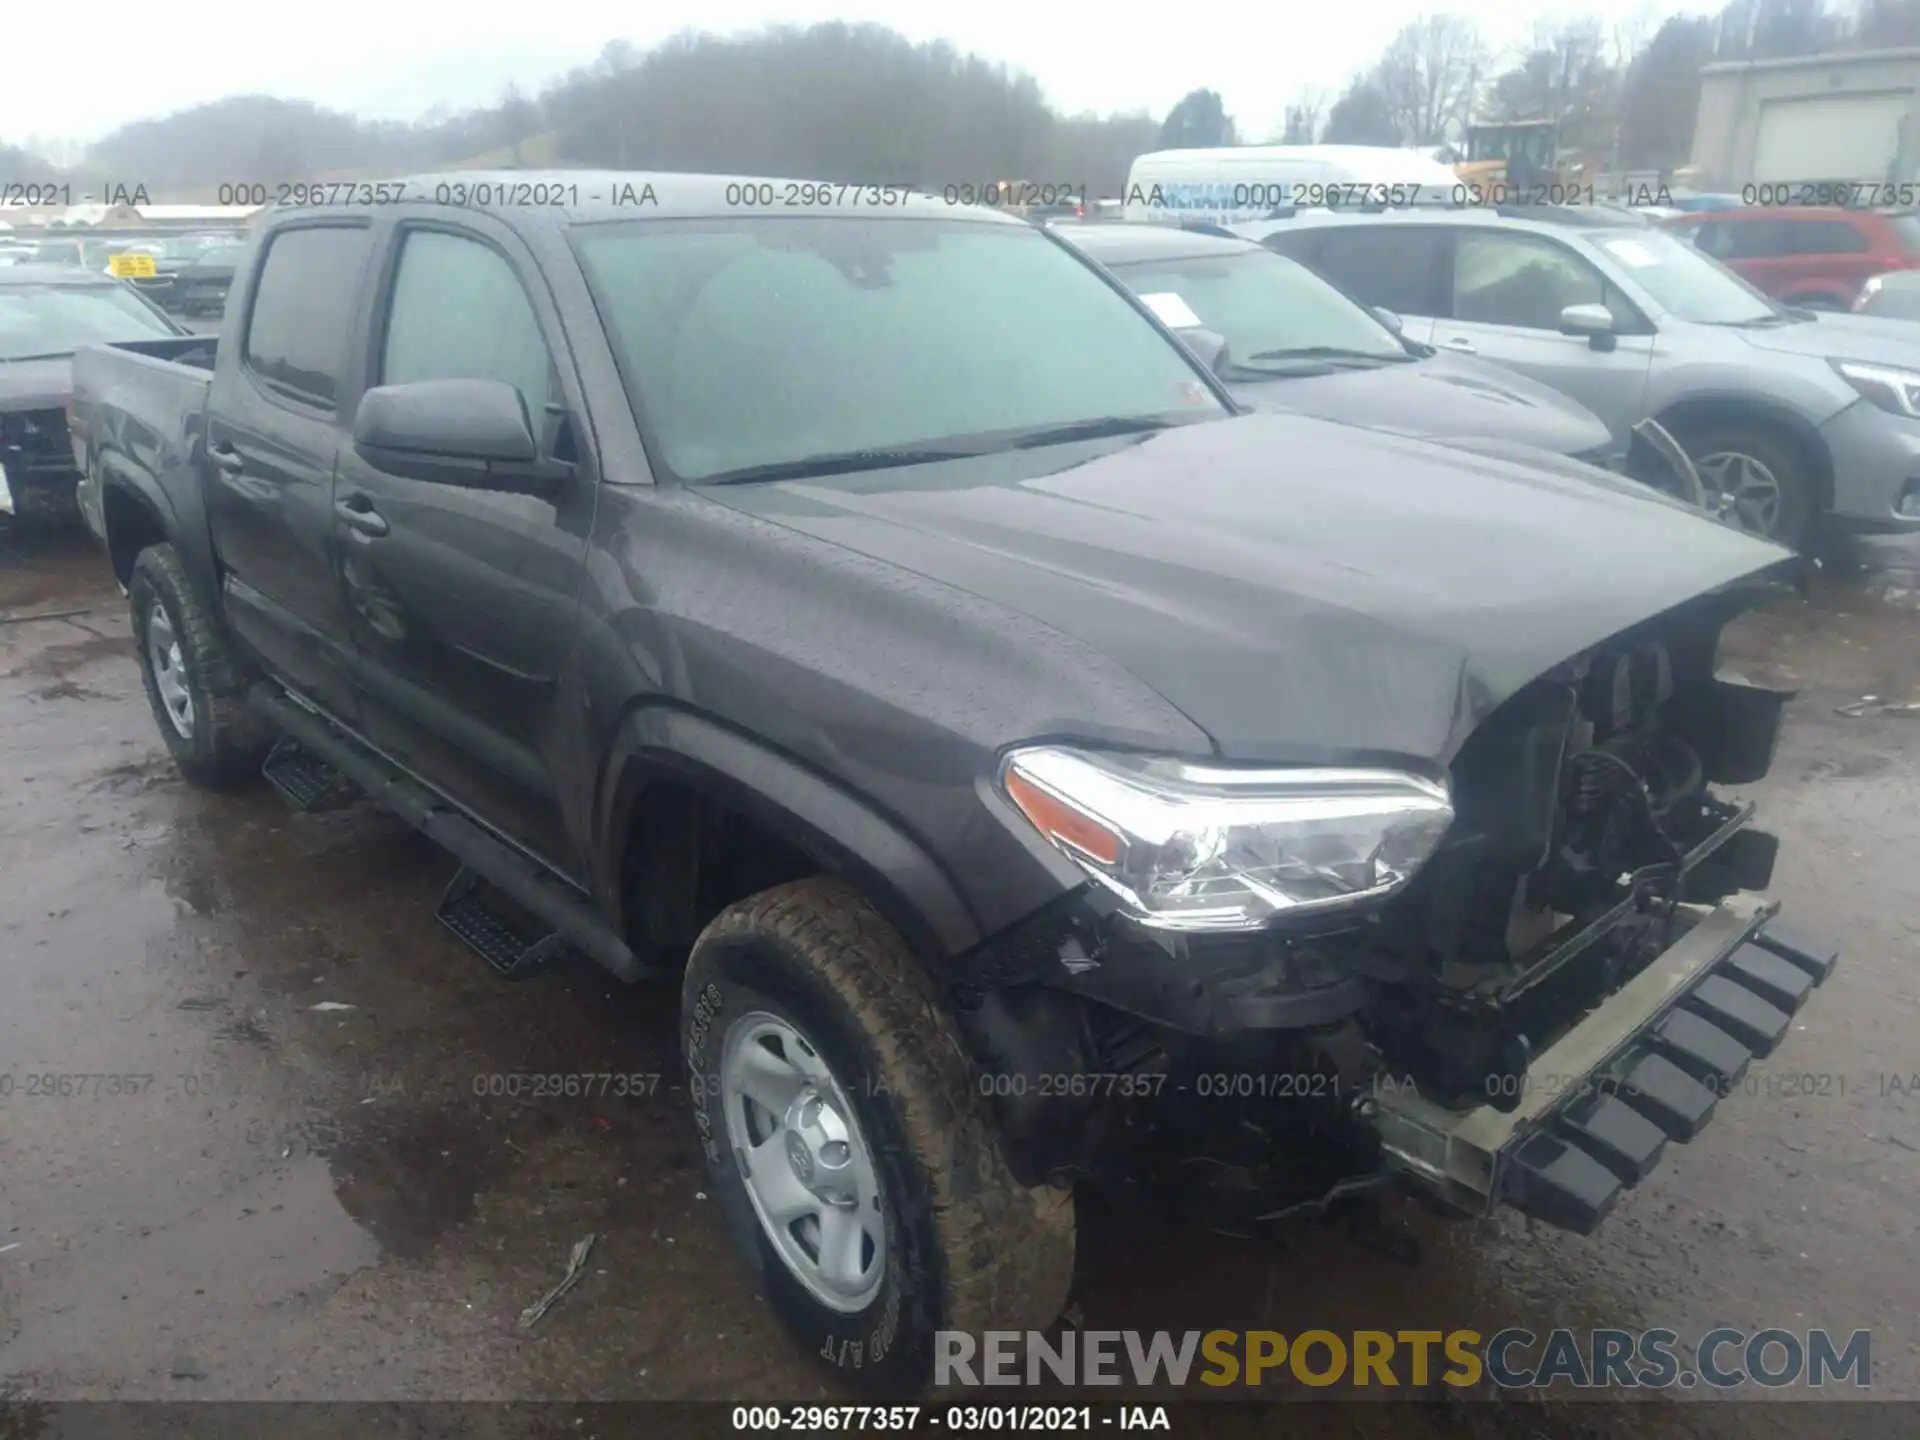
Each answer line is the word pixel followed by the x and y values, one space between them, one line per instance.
pixel 359 515
pixel 227 460
pixel 1460 343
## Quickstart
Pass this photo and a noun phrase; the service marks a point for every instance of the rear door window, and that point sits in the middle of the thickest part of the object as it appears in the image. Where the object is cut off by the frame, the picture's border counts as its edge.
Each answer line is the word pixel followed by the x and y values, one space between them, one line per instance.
pixel 303 309
pixel 1753 240
pixel 1823 237
pixel 1392 266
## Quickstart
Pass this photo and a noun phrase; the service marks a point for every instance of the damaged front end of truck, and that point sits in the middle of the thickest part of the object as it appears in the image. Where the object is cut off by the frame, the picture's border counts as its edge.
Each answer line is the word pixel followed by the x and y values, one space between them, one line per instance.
pixel 1511 981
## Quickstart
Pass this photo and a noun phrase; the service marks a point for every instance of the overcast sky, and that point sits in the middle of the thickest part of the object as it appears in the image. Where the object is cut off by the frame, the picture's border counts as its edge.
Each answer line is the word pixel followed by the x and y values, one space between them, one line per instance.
pixel 76 74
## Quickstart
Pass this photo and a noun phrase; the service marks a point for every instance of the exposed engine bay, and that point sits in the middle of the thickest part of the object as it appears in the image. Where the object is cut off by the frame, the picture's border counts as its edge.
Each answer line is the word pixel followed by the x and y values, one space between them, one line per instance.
pixel 1586 831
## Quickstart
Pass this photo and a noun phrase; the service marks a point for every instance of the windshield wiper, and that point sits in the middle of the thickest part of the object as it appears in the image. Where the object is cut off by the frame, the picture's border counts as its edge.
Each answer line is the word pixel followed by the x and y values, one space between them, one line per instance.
pixel 50 355
pixel 843 462
pixel 1097 429
pixel 846 462
pixel 1768 322
pixel 1324 352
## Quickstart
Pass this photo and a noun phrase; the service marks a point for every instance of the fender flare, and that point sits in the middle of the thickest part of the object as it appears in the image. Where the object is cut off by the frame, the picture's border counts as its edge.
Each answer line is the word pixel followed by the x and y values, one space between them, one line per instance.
pixel 118 476
pixel 821 818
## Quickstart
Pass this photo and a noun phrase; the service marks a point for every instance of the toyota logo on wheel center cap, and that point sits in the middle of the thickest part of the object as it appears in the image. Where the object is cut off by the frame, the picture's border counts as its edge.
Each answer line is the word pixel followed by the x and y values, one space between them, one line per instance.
pixel 800 1158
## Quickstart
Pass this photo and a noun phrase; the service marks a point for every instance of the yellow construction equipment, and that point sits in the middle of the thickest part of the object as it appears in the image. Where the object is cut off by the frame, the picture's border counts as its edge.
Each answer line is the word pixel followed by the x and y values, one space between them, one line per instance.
pixel 1517 156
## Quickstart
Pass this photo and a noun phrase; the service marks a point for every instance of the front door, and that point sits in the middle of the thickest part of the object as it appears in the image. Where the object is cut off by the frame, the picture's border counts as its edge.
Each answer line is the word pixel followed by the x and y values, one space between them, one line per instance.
pixel 463 600
pixel 1508 289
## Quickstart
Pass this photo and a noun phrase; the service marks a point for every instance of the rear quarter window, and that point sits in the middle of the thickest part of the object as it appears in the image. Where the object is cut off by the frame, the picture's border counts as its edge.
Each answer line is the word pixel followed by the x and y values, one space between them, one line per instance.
pixel 303 309
pixel 1906 232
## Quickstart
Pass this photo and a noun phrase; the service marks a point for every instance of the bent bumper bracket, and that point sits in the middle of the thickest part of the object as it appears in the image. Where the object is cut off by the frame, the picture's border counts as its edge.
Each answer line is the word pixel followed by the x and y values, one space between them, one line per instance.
pixel 1597 1108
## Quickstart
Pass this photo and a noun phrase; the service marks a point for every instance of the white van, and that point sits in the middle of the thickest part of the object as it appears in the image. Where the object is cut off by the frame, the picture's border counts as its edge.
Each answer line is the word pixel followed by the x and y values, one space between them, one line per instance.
pixel 1236 184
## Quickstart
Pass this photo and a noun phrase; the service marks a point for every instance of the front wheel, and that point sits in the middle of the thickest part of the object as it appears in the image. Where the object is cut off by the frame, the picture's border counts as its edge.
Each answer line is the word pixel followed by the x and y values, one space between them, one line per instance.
pixel 193 679
pixel 849 1153
pixel 1756 480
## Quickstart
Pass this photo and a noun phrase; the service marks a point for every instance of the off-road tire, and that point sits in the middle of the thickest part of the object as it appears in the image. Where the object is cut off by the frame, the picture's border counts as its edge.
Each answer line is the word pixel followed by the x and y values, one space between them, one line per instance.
pixel 230 738
pixel 1791 466
pixel 969 1248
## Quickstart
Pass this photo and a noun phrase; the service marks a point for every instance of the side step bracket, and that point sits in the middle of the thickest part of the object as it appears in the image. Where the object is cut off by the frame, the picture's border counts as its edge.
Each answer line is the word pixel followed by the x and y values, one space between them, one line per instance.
pixel 305 781
pixel 503 934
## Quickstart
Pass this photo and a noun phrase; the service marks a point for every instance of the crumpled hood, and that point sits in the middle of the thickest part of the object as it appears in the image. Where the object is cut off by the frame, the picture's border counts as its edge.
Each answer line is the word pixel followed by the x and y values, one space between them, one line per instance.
pixel 35 384
pixel 1304 591
pixel 1834 336
pixel 1441 397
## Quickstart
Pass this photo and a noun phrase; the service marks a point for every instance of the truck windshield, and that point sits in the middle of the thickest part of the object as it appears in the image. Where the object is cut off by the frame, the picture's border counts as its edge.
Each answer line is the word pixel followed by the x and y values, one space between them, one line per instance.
pixel 47 321
pixel 754 346
pixel 1274 312
pixel 1683 281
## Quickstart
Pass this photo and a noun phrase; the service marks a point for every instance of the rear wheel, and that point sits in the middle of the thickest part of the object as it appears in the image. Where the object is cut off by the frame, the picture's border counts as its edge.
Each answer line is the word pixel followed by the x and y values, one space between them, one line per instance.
pixel 194 681
pixel 1757 479
pixel 849 1153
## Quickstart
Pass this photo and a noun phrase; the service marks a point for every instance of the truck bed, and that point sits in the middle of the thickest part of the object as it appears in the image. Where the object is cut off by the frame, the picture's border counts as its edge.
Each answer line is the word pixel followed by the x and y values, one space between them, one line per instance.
pixel 139 412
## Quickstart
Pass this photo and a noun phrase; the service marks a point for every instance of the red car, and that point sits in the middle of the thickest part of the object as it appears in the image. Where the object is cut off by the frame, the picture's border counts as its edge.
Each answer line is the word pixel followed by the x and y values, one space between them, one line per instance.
pixel 1814 256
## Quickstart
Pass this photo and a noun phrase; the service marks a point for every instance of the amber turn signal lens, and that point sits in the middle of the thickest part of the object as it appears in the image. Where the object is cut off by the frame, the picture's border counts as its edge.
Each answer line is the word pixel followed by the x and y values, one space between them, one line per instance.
pixel 1053 816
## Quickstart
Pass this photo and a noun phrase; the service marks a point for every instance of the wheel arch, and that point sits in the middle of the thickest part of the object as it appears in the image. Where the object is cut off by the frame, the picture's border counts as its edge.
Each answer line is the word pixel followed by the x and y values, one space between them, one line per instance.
pixel 840 833
pixel 1696 412
pixel 133 516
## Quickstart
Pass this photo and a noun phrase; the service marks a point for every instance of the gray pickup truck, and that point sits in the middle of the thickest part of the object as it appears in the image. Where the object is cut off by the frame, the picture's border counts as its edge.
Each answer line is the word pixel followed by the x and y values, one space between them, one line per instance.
pixel 1027 772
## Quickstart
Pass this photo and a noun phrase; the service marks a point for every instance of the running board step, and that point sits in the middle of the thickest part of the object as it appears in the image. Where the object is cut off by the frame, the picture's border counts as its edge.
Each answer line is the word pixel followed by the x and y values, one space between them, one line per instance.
pixel 561 906
pixel 305 781
pixel 509 937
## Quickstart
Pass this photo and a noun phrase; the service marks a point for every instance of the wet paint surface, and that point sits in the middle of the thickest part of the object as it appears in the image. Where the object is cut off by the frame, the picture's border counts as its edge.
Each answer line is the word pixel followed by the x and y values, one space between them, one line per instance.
pixel 226 1193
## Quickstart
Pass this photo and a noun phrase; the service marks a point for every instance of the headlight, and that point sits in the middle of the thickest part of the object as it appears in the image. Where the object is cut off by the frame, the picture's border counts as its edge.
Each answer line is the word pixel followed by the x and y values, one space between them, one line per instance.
pixel 1867 292
pixel 1890 389
pixel 1199 847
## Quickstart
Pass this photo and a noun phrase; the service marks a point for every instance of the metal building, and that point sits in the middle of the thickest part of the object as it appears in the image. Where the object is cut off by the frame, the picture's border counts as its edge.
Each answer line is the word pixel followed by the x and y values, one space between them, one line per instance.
pixel 1844 117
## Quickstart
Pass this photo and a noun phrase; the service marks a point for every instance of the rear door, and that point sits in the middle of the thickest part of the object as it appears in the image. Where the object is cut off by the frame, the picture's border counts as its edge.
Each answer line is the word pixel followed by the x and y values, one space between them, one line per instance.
pixel 463 600
pixel 1392 266
pixel 273 428
pixel 1832 260
pixel 1504 297
pixel 1755 248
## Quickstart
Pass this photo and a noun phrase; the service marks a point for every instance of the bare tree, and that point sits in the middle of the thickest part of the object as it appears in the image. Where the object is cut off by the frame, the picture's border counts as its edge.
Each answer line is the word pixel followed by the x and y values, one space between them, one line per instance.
pixel 1362 116
pixel 1662 94
pixel 1882 24
pixel 1629 33
pixel 1778 29
pixel 1304 117
pixel 1199 121
pixel 1428 75
pixel 516 119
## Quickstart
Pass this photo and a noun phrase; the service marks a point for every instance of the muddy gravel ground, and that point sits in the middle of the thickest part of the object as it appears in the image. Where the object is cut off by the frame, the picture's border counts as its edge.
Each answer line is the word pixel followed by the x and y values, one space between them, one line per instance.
pixel 315 1189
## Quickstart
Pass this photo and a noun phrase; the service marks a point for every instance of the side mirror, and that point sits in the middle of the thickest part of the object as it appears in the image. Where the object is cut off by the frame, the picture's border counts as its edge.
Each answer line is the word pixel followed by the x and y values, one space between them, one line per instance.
pixel 1208 346
pixel 1387 318
pixel 454 432
pixel 1595 322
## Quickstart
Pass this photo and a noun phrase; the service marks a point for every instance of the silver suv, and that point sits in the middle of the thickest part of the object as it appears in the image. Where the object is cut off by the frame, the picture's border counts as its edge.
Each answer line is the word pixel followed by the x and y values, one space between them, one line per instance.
pixel 1790 416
